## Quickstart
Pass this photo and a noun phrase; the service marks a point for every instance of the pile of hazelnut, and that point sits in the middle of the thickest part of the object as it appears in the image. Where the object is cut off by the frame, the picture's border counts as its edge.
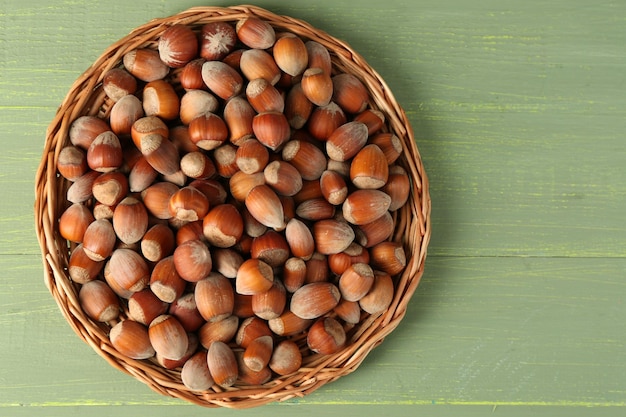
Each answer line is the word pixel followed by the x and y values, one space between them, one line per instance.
pixel 232 212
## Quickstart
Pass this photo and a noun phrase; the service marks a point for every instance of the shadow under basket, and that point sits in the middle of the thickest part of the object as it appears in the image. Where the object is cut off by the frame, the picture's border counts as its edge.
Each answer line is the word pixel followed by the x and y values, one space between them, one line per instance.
pixel 412 221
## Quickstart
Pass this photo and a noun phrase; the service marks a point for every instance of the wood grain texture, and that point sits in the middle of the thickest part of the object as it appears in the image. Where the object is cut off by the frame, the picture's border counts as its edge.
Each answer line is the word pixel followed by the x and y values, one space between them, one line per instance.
pixel 518 109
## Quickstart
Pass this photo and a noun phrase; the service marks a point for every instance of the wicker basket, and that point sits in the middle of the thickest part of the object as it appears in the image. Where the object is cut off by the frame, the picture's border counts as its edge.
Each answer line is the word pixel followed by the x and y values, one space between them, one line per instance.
pixel 412 221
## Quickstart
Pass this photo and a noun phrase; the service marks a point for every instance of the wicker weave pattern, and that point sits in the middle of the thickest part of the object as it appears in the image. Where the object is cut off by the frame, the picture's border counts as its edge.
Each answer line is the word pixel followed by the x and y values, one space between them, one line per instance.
pixel 412 221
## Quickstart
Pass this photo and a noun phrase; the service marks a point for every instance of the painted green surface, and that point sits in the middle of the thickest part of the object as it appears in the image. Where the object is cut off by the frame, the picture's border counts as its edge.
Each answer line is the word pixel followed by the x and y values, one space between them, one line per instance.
pixel 519 113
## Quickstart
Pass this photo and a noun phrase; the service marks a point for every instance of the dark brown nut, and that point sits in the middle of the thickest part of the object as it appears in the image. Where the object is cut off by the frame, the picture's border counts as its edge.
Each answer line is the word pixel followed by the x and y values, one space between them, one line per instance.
pixel 177 45
pixel 314 300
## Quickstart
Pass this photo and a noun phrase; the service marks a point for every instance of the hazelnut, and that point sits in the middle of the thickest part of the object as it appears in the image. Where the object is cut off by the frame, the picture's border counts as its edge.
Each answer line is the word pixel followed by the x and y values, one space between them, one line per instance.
pixel 251 329
pixel 158 242
pixel 291 54
pixel 318 56
pixel 254 276
pixel 356 281
pixel 370 234
pixel 223 80
pixel 324 120
pixel 222 364
pixel 369 169
pixel 214 297
pixel 160 153
pixel 307 158
pixel 365 206
pixel 131 339
pixel 72 162
pixel 283 178
pixel 317 269
pixel 257 63
pixel 251 156
pixel 81 268
pixel 298 107
pixel 185 309
pixel 315 209
pixel 317 86
pixel 380 296
pixel 130 220
pixel 160 99
pixel 145 126
pixel 373 119
pixel 398 187
pixel 156 199
pixel 217 39
pixel 346 141
pixel 189 231
pixel 195 103
pixel 127 271
pixel 105 153
pixel 286 358
pixel 208 131
pixel 193 260
pixel 99 301
pixel 191 75
pixel 355 253
pixel 294 273
pixel 326 336
pixel 390 145
pixel 81 189
pixel 118 83
pixel 289 324
pixel 247 376
pixel 124 113
pixel 332 236
pixel 271 303
pixel 258 353
pixel 334 187
pixel 238 115
pixel 165 282
pixel 197 164
pixel 195 373
pixel 225 156
pixel 255 33
pixel 388 257
pixel 300 239
pixel 223 226
pixel 85 129
pixel 74 222
pixel 144 306
pixel 110 188
pixel 168 337
pixel 223 330
pixel 188 204
pixel 271 129
pixel 99 240
pixel 265 206
pixel 264 97
pixel 192 347
pixel 177 45
pixel 349 93
pixel 348 311
pixel 314 300
pixel 145 64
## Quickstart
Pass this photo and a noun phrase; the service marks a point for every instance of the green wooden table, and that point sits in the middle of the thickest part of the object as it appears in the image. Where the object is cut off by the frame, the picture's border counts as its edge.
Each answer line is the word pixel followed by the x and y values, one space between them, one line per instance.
pixel 519 113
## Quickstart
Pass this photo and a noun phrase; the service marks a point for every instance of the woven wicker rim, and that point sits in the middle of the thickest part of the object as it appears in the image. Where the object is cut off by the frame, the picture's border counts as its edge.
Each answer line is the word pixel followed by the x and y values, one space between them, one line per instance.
pixel 412 221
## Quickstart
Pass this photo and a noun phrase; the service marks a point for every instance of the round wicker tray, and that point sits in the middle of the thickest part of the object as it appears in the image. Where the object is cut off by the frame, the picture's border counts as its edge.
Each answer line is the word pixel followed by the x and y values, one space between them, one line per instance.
pixel 86 97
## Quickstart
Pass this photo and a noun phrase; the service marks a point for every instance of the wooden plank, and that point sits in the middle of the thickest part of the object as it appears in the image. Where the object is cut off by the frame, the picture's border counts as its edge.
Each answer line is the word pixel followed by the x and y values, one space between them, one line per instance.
pixel 499 331
pixel 288 410
pixel 24 136
pixel 518 114
pixel 514 116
